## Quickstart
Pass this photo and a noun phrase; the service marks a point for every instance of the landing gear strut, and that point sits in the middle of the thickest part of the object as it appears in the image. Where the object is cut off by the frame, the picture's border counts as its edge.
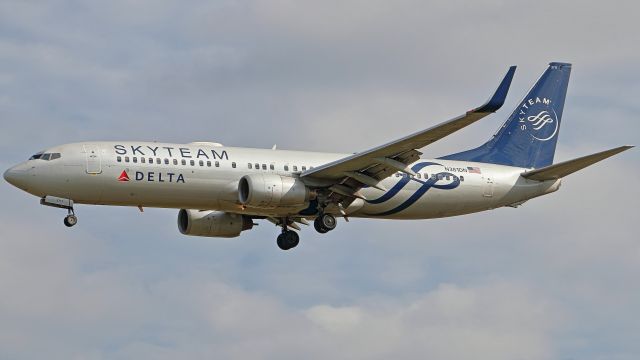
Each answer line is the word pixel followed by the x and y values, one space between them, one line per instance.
pixel 325 223
pixel 288 239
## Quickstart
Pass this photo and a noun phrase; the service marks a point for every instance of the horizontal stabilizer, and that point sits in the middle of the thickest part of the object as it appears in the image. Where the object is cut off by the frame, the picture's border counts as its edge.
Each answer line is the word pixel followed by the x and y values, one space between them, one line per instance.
pixel 565 168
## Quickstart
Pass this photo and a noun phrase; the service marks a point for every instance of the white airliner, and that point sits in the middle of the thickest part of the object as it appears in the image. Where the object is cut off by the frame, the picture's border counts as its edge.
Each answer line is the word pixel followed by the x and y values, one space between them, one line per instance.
pixel 222 190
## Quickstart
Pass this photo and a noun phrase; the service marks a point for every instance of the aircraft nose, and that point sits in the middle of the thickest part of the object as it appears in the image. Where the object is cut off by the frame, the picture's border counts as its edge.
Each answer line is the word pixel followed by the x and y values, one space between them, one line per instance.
pixel 12 176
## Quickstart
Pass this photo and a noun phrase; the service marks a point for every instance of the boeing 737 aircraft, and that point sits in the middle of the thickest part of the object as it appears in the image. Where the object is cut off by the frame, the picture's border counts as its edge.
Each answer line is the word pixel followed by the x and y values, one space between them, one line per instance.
pixel 221 191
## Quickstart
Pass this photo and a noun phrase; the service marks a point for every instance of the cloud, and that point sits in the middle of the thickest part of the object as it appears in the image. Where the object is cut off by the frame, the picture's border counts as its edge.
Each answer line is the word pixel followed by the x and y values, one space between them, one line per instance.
pixel 552 279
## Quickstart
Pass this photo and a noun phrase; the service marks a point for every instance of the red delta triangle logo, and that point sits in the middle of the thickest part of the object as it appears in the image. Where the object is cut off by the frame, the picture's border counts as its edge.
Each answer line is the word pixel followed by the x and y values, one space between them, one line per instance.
pixel 123 176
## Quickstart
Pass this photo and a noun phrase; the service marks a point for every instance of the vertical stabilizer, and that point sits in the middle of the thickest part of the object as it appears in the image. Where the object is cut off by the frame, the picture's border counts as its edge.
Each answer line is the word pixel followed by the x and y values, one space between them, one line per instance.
pixel 528 138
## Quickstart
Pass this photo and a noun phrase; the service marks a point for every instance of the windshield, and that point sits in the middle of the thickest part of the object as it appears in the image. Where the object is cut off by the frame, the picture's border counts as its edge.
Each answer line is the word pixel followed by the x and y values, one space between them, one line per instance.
pixel 45 156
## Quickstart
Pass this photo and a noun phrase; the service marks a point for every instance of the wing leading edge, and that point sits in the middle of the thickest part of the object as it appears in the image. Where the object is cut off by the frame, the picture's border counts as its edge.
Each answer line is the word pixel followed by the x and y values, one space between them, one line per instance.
pixel 371 166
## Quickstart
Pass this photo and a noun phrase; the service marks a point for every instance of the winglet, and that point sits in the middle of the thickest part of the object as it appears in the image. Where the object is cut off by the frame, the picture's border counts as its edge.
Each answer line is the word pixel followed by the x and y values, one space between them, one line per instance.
pixel 497 100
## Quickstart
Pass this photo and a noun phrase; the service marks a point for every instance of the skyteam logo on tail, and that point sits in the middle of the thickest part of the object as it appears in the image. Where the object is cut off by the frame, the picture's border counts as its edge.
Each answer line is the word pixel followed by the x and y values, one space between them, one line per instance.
pixel 538 117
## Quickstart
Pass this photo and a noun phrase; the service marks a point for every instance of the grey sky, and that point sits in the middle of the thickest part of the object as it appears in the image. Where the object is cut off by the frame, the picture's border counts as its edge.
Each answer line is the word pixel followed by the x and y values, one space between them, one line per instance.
pixel 554 279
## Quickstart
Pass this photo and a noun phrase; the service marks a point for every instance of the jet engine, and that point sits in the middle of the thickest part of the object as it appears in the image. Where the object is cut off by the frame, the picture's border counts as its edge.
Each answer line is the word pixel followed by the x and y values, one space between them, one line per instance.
pixel 212 223
pixel 269 191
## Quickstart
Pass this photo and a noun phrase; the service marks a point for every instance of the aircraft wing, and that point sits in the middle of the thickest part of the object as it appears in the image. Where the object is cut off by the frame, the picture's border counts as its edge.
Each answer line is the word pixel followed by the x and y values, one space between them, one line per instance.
pixel 371 166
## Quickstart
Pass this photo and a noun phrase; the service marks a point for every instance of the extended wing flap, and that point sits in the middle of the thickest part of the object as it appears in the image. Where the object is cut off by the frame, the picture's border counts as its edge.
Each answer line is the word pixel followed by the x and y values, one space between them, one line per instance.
pixel 559 170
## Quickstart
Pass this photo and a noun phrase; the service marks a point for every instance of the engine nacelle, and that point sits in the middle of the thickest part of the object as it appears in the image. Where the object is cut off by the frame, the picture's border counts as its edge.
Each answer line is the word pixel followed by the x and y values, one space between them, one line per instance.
pixel 269 191
pixel 212 223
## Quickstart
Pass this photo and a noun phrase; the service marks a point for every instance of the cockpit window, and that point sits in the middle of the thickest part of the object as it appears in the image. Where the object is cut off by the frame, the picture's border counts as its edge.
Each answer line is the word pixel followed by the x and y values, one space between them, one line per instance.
pixel 45 156
pixel 36 156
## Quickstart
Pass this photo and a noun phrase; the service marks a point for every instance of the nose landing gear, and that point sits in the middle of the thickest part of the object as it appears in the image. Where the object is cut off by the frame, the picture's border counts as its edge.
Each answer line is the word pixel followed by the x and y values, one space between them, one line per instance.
pixel 71 219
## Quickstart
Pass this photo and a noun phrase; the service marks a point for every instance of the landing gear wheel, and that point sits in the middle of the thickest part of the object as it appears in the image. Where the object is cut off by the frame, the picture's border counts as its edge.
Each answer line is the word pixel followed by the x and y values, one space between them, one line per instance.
pixel 325 223
pixel 288 240
pixel 70 220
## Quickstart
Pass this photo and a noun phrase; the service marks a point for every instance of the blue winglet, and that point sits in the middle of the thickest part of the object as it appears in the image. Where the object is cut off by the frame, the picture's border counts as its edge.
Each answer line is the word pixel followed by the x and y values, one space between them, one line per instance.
pixel 497 100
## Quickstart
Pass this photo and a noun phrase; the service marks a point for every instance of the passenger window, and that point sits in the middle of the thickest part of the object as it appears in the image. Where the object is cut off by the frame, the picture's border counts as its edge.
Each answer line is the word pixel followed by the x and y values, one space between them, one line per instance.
pixel 286 168
pixel 150 160
pixel 217 163
pixel 461 178
pixel 208 163
pixel 257 166
pixel 175 161
pixel 440 177
pixel 135 159
pixel 184 162
pixel 142 160
pixel 448 178
pixel 126 159
pixel 304 168
pixel 295 167
pixel 233 165
pixel 166 161
pixel 201 163
pixel 192 162
pixel 419 176
pixel 119 159
pixel 249 165
pixel 55 156
pixel 158 161
pixel 264 166
pixel 272 167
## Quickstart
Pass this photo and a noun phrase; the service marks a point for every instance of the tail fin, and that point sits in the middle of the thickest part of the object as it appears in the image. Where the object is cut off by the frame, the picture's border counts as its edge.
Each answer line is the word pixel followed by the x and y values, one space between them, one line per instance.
pixel 528 138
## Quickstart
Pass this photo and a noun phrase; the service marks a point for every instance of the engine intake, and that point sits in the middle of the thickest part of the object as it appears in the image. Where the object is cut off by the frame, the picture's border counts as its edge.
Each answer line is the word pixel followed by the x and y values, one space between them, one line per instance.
pixel 212 223
pixel 269 191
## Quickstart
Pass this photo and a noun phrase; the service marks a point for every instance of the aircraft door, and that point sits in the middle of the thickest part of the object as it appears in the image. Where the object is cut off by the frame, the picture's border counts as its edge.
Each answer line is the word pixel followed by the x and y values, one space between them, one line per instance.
pixel 94 160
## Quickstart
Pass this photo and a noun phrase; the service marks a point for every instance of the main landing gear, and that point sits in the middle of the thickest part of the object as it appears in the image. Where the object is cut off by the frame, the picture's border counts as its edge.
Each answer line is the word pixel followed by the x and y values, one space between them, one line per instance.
pixel 288 239
pixel 325 223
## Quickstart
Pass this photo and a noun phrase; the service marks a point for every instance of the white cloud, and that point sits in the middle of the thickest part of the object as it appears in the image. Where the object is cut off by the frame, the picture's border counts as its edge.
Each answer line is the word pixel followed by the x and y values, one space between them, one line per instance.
pixel 553 279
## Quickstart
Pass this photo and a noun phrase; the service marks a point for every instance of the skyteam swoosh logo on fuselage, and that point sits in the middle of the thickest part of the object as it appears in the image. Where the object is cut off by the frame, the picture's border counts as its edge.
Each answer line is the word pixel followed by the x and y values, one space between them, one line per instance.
pixel 431 182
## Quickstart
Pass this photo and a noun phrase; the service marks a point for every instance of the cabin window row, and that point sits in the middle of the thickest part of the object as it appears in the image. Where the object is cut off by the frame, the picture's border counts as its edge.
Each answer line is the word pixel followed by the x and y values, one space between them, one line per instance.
pixel 166 161
pixel 258 166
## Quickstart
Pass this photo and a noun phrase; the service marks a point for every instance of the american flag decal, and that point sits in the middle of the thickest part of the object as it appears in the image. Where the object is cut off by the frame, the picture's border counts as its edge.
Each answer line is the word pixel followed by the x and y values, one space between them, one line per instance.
pixel 473 170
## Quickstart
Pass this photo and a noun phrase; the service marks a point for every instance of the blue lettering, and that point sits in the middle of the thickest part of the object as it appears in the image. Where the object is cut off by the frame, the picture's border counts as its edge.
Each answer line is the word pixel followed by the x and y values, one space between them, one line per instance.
pixel 170 176
pixel 185 152
pixel 150 176
pixel 160 177
pixel 120 149
pixel 168 149
pixel 180 178
pixel 153 149
pixel 222 155
pixel 139 176
pixel 136 149
pixel 202 153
